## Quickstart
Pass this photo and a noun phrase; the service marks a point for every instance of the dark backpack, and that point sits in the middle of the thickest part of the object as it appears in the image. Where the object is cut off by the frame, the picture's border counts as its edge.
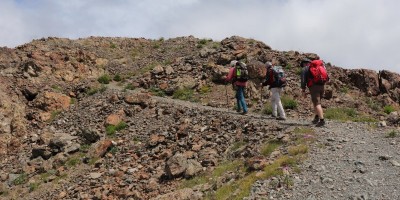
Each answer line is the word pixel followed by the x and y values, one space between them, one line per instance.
pixel 241 72
pixel 318 73
pixel 277 77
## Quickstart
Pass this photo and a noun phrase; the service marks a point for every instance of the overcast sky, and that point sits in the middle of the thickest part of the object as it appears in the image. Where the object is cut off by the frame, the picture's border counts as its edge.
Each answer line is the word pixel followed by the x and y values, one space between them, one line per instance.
pixel 346 33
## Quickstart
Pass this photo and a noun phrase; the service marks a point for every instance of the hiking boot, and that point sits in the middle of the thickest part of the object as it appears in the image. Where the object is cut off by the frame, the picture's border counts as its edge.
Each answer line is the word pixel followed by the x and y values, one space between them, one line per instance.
pixel 281 118
pixel 320 123
pixel 274 116
pixel 244 113
pixel 315 120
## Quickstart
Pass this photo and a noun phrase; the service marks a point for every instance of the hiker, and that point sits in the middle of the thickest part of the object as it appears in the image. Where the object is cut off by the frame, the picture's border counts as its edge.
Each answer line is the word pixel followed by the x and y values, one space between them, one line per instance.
pixel 314 76
pixel 275 79
pixel 239 83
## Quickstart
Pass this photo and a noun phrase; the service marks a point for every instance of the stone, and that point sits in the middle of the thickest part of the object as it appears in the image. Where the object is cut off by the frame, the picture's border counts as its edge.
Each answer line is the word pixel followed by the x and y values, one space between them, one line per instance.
pixel 141 99
pixel 193 168
pixel 95 175
pixel 102 148
pixel 176 165
pixel 113 119
pixel 89 135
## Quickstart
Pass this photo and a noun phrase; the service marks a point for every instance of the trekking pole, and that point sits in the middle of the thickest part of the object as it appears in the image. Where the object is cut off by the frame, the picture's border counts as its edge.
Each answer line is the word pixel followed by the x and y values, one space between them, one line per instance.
pixel 226 94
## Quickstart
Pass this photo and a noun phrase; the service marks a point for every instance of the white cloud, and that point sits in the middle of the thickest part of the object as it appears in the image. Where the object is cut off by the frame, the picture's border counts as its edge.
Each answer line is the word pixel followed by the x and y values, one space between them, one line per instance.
pixel 347 33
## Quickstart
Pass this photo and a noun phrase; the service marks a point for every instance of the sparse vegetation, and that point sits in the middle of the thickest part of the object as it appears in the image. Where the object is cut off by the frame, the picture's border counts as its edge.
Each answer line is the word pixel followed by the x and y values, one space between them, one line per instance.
pixel 117 78
pixel 72 101
pixel 344 90
pixel 33 186
pixel 388 109
pixel 267 110
pixel 184 94
pixel 73 161
pixel 288 102
pixel 104 79
pixel 392 134
pixel 113 46
pixel 298 149
pixel 111 129
pixel 157 91
pixel 205 89
pixel 56 88
pixel 21 179
pixel 129 86
pixel 237 145
pixel 346 114
pixel 54 114
pixel 373 104
pixel 147 68
pixel 95 90
pixel 270 147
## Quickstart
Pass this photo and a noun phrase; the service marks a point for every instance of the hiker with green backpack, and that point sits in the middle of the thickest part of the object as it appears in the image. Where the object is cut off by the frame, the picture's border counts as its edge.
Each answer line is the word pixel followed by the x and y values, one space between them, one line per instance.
pixel 238 75
pixel 314 76
pixel 276 80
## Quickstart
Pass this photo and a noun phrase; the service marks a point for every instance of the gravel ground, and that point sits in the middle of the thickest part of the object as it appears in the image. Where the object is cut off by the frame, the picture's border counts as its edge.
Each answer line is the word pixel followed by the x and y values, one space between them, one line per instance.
pixel 348 161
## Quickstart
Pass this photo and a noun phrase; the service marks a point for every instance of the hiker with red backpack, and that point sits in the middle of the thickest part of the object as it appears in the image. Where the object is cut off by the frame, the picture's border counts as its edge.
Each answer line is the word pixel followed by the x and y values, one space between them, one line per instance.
pixel 238 76
pixel 275 79
pixel 314 76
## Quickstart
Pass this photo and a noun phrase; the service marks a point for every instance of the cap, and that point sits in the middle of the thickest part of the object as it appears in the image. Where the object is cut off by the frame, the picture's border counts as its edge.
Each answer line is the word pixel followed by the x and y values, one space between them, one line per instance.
pixel 233 63
pixel 268 64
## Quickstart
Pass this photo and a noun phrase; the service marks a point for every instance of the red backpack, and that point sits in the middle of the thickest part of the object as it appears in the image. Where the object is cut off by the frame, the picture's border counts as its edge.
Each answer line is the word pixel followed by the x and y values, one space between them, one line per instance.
pixel 318 74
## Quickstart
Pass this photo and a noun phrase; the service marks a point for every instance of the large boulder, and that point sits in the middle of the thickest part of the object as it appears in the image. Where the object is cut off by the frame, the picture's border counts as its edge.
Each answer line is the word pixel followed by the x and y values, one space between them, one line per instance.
pixel 52 101
pixel 178 166
pixel 366 80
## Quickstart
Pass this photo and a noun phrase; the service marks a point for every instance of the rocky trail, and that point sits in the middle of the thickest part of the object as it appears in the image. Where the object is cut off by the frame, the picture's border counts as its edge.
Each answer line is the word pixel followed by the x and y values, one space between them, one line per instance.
pixel 348 160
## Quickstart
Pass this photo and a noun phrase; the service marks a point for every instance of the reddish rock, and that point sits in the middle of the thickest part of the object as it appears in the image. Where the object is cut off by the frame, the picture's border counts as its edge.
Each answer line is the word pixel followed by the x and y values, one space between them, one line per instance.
pixel 137 98
pixel 103 147
pixel 113 119
pixel 51 101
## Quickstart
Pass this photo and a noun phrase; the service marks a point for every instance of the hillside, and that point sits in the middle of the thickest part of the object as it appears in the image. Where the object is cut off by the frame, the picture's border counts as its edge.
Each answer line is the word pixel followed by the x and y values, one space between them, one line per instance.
pixel 133 118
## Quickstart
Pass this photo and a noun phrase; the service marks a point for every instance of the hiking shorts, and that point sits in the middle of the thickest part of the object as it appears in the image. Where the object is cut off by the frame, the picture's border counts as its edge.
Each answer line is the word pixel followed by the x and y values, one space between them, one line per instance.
pixel 316 91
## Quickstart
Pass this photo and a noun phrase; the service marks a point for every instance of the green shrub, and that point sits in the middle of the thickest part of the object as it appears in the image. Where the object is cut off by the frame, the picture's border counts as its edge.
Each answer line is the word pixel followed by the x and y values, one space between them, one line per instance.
pixel 344 90
pixel 392 134
pixel 129 86
pixel 185 94
pixel 111 129
pixel 21 179
pixel 157 92
pixel 267 110
pixel 205 89
pixel 104 79
pixel 373 104
pixel 203 41
pixel 117 78
pixel 288 102
pixel 73 161
pixel 388 109
pixel 113 46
